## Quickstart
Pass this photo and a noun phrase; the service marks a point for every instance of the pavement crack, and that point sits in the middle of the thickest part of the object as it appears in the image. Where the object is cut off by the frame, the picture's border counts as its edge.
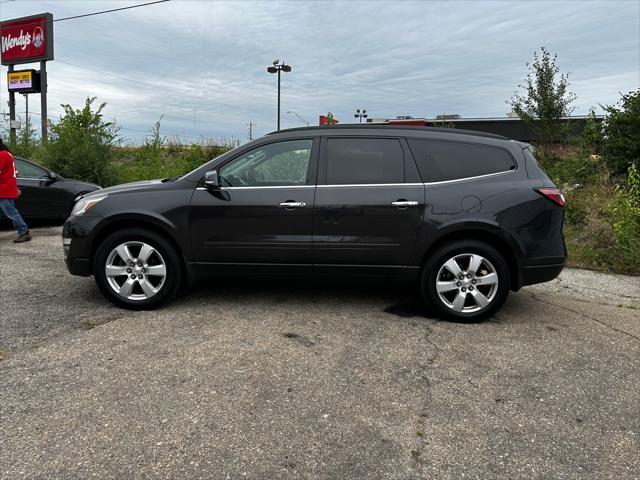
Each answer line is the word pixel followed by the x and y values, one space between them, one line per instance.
pixel 584 315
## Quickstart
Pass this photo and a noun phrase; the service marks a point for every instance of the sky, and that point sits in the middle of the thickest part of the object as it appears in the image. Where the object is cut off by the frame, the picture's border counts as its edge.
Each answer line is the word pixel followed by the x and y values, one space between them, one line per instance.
pixel 201 65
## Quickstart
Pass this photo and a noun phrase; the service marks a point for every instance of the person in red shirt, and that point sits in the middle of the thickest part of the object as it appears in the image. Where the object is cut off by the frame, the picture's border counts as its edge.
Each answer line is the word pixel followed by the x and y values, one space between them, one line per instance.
pixel 9 192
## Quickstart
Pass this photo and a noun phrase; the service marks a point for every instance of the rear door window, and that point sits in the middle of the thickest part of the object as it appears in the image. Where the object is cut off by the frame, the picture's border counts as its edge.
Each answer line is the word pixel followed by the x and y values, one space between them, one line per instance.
pixel 357 161
pixel 440 160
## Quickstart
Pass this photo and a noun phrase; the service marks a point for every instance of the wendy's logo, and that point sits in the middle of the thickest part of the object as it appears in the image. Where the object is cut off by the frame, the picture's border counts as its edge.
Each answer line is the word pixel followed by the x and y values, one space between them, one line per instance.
pixel 38 37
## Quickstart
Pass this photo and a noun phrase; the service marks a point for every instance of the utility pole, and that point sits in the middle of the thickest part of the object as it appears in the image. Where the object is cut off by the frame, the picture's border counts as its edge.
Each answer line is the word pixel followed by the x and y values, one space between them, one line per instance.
pixel 251 125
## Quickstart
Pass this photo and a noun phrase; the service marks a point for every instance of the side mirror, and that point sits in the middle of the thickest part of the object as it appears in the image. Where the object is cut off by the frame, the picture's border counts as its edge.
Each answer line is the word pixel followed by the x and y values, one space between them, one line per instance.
pixel 211 180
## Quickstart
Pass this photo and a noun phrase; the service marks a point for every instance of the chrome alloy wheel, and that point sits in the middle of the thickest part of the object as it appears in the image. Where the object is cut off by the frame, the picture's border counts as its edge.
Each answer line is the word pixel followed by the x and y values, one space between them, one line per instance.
pixel 467 283
pixel 135 271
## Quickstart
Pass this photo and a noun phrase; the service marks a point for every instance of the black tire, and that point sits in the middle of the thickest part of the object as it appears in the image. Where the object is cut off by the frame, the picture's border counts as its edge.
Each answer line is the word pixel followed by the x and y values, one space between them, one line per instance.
pixel 437 260
pixel 172 279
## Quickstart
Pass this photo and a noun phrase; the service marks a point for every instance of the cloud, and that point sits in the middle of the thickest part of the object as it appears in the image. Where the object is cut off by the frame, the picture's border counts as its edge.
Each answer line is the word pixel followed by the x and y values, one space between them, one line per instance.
pixel 208 60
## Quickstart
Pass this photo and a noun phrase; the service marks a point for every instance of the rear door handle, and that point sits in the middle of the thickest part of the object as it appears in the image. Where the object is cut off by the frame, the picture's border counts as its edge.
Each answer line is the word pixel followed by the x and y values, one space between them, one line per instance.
pixel 290 205
pixel 404 203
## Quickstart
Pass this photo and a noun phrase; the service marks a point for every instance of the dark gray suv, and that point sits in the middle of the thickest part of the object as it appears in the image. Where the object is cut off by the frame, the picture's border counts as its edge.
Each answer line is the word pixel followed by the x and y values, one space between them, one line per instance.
pixel 469 216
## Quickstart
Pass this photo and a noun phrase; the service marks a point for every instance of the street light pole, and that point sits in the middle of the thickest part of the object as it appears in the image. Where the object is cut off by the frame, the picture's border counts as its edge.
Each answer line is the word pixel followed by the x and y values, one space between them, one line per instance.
pixel 299 117
pixel 360 115
pixel 277 68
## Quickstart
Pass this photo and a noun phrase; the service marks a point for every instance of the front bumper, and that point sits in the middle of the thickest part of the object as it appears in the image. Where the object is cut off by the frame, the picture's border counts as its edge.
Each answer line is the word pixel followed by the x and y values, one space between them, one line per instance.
pixel 76 242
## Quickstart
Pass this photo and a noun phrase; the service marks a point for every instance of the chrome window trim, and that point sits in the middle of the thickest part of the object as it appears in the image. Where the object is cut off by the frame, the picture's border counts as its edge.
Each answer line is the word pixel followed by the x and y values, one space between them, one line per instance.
pixel 373 185
pixel 425 184
pixel 261 187
pixel 456 180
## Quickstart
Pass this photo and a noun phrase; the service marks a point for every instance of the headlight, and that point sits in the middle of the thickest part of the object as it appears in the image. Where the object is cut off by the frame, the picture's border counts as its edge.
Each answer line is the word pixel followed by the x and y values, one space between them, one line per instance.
pixel 84 204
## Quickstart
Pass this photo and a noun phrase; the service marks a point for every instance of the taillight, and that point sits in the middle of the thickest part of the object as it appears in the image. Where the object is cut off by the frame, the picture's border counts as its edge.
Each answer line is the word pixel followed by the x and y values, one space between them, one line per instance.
pixel 553 194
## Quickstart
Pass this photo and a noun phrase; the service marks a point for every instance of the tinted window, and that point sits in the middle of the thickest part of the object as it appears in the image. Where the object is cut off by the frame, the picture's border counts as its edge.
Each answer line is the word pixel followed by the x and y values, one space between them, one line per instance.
pixel 441 160
pixel 26 170
pixel 364 160
pixel 275 164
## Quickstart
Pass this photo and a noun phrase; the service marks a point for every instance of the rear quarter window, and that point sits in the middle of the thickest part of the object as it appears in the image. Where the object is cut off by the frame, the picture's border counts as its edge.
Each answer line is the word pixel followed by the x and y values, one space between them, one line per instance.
pixel 440 160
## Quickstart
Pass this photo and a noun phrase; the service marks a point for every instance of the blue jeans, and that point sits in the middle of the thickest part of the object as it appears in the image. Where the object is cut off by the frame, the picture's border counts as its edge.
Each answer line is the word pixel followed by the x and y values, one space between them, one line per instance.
pixel 8 209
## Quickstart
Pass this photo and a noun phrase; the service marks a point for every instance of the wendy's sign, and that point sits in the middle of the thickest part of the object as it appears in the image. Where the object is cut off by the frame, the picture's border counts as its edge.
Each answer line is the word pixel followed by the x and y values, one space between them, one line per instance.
pixel 27 39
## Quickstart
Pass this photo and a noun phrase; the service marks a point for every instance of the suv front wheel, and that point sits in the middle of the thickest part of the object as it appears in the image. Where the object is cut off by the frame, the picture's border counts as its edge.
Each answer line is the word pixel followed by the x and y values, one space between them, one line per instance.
pixel 137 269
pixel 465 280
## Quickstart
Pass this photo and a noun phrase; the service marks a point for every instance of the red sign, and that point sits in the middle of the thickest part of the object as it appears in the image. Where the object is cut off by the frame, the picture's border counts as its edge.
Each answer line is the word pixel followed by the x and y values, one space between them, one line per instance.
pixel 27 39
pixel 328 119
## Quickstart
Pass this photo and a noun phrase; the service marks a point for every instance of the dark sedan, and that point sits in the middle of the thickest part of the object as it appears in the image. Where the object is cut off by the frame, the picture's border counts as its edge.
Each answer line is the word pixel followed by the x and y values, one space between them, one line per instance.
pixel 45 194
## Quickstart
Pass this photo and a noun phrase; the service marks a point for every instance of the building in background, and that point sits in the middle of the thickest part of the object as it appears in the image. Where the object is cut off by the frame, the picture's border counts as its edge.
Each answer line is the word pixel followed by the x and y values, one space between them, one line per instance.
pixel 510 127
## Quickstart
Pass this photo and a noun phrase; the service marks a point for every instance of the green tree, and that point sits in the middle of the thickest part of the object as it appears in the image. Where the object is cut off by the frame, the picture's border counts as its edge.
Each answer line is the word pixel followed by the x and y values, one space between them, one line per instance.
pixel 622 133
pixel 546 98
pixel 81 144
pixel 27 143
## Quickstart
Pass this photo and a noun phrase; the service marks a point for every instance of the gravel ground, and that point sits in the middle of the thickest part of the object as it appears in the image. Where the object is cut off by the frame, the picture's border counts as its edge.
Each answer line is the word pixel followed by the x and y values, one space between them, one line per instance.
pixel 262 380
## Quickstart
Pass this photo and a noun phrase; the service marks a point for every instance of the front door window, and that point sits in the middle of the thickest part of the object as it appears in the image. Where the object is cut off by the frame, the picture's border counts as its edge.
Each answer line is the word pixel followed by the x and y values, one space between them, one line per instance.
pixel 275 164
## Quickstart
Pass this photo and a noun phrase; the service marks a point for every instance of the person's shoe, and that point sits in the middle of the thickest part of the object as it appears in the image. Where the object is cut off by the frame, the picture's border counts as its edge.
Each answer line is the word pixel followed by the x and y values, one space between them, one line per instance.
pixel 25 237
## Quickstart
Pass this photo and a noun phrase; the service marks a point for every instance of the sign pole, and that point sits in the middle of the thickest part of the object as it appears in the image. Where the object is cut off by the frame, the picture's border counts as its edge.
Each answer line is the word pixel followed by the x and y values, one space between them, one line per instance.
pixel 12 114
pixel 26 120
pixel 43 99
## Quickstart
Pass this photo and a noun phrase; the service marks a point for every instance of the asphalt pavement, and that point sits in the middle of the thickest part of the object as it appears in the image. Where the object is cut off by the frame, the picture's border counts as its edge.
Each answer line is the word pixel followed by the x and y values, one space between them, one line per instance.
pixel 277 379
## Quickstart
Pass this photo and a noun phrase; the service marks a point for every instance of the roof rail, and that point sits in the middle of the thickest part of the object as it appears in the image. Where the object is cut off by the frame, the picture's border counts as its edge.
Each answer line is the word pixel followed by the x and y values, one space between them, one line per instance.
pixel 355 126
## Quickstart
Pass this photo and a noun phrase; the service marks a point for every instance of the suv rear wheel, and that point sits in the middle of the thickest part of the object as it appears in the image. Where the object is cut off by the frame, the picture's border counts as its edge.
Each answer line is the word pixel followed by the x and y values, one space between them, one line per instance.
pixel 137 269
pixel 465 280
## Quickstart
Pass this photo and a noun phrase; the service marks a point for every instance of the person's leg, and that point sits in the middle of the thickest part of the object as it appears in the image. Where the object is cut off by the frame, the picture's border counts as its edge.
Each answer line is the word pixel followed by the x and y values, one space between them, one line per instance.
pixel 9 209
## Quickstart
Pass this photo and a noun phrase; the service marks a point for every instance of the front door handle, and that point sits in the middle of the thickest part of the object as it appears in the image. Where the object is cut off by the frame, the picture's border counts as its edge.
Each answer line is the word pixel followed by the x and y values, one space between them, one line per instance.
pixel 404 204
pixel 291 205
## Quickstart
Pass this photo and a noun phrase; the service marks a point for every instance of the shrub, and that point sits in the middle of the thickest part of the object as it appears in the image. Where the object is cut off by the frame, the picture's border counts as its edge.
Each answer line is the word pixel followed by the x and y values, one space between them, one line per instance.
pixel 622 133
pixel 81 144
pixel 627 218
pixel 591 137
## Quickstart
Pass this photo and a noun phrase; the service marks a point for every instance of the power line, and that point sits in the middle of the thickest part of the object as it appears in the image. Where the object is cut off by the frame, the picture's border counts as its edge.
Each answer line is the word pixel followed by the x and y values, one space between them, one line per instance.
pixel 73 17
pixel 109 11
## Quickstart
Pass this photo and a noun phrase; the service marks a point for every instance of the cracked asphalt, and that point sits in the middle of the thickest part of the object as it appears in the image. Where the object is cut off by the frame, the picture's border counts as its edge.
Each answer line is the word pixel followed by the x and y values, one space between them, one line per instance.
pixel 269 379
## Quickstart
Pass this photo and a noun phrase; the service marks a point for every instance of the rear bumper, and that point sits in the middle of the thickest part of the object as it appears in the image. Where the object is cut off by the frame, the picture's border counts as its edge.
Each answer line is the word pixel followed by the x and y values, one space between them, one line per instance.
pixel 533 274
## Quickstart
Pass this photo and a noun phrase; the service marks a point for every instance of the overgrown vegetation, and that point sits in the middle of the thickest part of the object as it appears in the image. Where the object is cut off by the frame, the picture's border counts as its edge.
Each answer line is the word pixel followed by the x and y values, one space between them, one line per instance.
pixel 602 221
pixel 598 172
